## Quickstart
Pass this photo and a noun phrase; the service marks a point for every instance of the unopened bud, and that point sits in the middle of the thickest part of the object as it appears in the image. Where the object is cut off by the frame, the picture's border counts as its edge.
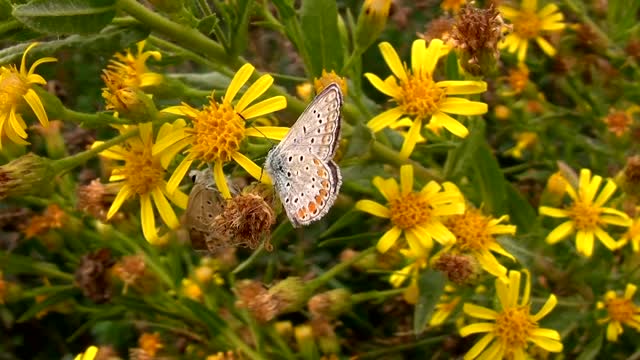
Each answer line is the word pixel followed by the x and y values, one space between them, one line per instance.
pixel 371 22
pixel 29 174
pixel 330 304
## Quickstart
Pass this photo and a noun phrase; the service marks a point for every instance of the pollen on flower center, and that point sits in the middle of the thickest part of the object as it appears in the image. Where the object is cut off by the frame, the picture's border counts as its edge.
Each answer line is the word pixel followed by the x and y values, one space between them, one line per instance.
pixel 420 96
pixel 620 309
pixel 142 172
pixel 471 230
pixel 514 326
pixel 13 87
pixel 218 132
pixel 410 210
pixel 586 217
pixel 527 25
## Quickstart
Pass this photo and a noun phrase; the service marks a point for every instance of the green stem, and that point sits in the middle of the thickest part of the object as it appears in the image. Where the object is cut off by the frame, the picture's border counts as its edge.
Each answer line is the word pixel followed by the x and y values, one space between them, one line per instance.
pixel 9 25
pixel 186 36
pixel 377 354
pixel 71 162
pixel 333 272
pixel 375 295
pixel 393 157
pixel 190 55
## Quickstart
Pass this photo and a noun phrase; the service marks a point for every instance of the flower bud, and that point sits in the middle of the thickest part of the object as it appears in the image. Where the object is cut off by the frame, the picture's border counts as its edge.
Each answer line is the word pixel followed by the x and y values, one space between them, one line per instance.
pixel 29 174
pixel 371 22
pixel 292 293
pixel 330 304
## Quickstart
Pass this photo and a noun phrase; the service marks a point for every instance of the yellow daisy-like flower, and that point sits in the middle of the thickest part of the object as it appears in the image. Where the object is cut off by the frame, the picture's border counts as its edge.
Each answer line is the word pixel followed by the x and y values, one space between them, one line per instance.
pixel 524 141
pixel 417 262
pixel 420 97
pixel 632 235
pixel 620 310
pixel 89 354
pixel 15 89
pixel 513 325
pixel 587 214
pixel 531 24
pixel 133 68
pixel 142 174
pixel 475 234
pixel 448 303
pixel 219 129
pixel 417 215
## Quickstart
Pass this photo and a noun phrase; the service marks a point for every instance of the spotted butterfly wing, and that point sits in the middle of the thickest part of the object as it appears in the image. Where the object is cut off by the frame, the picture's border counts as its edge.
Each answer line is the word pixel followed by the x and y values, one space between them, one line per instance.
pixel 305 176
pixel 205 203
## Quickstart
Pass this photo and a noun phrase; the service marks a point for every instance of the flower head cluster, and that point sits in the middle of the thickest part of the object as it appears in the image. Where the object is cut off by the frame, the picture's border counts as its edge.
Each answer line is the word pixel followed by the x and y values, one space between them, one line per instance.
pixel 16 89
pixel 620 310
pixel 512 326
pixel 422 98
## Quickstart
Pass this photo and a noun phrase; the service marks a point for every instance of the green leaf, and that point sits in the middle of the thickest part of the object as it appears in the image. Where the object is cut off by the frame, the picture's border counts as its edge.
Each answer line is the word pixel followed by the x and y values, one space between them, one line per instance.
pixel 207 24
pixel 108 41
pixel 240 31
pixel 344 221
pixel 431 286
pixel 360 141
pixel 5 10
pixel 47 302
pixel 459 159
pixel 321 37
pixel 489 180
pixel 592 350
pixel 521 213
pixel 66 16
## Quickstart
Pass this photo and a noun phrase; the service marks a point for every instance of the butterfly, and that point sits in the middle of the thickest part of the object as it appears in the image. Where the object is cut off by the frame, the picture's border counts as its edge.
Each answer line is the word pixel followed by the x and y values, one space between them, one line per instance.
pixel 301 166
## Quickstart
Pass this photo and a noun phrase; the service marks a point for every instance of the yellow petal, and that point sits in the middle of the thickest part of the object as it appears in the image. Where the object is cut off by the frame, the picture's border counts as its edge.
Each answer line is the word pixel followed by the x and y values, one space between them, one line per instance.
pixel 522 50
pixel 388 239
pixel 553 212
pixel 251 167
pixel 412 138
pixel 393 60
pixel 382 86
pixel 419 56
pixel 479 347
pixel 385 119
pixel 36 105
pixel 584 242
pixel 432 56
pixel 221 180
pixel 462 106
pixel 269 132
pixel 479 312
pixel 406 179
pixel 239 79
pixel 164 209
pixel 456 87
pixel 122 195
pixel 388 188
pixel 476 328
pixel 546 343
pixel 178 197
pixel 178 174
pixel 451 124
pixel 373 208
pixel 254 91
pixel 264 107
pixel 148 219
pixel 545 46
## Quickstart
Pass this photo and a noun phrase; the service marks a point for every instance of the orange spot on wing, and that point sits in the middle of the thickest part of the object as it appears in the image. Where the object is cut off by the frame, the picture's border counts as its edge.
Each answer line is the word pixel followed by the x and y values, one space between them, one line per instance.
pixel 325 184
pixel 316 161
pixel 312 207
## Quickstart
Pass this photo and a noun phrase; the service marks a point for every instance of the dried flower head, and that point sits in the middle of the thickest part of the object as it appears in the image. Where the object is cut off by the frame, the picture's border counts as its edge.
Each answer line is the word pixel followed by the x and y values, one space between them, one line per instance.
pixel 459 268
pixel 95 199
pixel 130 269
pixel 288 295
pixel 439 28
pixel 247 218
pixel 619 121
pixel 476 34
pixel 52 218
pixel 92 275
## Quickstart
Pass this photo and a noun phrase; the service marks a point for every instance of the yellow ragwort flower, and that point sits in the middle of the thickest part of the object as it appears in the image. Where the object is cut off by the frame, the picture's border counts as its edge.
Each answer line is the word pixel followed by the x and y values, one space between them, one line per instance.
pixel 445 307
pixel 420 97
pixel 531 24
pixel 133 68
pixel 89 354
pixel 475 234
pixel 150 343
pixel 524 140
pixel 417 262
pixel 633 235
pixel 15 90
pixel 142 174
pixel 219 129
pixel 620 310
pixel 587 214
pixel 513 325
pixel 417 215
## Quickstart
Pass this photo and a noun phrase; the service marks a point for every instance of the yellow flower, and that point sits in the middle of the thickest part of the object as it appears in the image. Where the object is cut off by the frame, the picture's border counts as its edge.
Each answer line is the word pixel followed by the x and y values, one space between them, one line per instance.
pixel 445 307
pixel 475 234
pixel 89 354
pixel 513 325
pixel 530 24
pixel 620 311
pixel 191 289
pixel 219 129
pixel 416 214
pixel 133 69
pixel 417 262
pixel 633 235
pixel 420 97
pixel 15 89
pixel 329 78
pixel 403 123
pixel 524 140
pixel 587 214
pixel 142 174
pixel 150 343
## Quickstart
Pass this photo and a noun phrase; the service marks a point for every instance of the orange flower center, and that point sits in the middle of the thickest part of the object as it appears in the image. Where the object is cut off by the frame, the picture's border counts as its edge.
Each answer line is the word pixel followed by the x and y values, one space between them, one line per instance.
pixel 621 309
pixel 513 327
pixel 13 87
pixel 142 171
pixel 218 132
pixel 585 216
pixel 471 230
pixel 527 25
pixel 410 210
pixel 420 97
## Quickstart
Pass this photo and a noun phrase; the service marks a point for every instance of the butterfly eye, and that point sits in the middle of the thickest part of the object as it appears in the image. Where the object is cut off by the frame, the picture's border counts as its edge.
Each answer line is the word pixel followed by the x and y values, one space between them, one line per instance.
pixel 193 178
